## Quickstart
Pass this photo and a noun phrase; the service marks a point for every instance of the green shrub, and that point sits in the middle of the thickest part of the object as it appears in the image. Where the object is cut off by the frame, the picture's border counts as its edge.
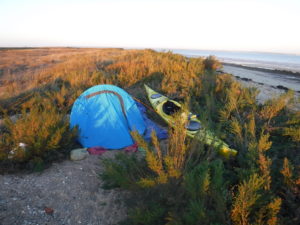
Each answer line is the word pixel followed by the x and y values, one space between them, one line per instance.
pixel 123 171
pixel 153 214
pixel 212 63
pixel 41 135
pixel 165 183
pixel 204 196
pixel 192 186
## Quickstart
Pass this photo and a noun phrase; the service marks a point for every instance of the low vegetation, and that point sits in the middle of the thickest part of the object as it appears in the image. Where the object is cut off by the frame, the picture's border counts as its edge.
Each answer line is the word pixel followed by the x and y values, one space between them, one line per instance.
pixel 184 182
pixel 40 134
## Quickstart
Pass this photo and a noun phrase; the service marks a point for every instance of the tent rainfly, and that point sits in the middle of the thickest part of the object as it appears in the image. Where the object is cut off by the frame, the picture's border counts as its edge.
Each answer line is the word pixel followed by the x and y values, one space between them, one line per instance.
pixel 105 116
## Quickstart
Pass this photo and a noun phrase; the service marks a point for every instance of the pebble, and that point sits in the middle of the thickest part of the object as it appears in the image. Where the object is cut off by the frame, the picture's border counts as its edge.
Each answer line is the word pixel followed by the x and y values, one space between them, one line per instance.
pixel 79 154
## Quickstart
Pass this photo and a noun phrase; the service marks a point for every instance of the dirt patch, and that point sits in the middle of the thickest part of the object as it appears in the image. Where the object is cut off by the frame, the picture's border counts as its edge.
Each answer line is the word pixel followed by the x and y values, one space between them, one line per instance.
pixel 72 189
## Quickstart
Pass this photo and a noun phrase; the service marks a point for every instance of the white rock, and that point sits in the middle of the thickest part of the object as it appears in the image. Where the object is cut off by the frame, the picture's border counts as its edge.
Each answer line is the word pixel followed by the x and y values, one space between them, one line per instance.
pixel 79 154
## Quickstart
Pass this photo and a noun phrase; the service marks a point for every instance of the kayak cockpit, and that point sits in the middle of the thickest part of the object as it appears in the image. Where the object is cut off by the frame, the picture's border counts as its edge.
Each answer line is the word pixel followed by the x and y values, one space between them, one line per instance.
pixel 170 108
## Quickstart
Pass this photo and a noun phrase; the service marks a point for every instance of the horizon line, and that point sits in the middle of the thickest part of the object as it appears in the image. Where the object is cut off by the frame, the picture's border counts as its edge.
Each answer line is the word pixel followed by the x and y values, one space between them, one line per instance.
pixel 154 48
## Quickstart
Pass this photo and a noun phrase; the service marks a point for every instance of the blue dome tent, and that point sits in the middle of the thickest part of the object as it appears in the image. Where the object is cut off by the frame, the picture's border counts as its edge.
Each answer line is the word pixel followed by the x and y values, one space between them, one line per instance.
pixel 105 115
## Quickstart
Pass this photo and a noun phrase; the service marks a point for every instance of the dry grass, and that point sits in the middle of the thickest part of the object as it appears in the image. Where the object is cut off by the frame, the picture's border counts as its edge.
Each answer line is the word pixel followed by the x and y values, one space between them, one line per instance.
pixel 24 69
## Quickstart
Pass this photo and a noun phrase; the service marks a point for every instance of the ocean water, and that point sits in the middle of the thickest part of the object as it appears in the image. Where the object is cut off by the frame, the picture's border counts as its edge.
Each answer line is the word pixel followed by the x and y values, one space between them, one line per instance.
pixel 254 59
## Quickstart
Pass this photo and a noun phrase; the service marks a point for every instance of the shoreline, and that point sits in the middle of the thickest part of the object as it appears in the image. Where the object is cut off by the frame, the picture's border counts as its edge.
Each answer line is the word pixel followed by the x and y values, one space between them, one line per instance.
pixel 279 87
pixel 278 71
pixel 266 91
pixel 277 79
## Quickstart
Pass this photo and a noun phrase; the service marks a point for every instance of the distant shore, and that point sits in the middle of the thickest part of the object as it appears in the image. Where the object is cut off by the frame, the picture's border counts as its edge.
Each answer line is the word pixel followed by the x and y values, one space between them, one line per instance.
pixel 282 72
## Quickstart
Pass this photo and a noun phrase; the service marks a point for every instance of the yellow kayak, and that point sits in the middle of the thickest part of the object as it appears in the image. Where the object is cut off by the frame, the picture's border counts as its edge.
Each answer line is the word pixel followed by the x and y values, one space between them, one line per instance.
pixel 166 107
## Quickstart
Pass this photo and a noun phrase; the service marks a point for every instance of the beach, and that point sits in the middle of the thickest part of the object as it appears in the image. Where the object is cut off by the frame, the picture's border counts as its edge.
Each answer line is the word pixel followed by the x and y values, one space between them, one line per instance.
pixel 272 73
pixel 270 83
pixel 276 79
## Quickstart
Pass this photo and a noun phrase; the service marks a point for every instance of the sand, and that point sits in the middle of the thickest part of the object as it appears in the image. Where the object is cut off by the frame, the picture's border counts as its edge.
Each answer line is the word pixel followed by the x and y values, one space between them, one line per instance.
pixel 71 189
pixel 266 82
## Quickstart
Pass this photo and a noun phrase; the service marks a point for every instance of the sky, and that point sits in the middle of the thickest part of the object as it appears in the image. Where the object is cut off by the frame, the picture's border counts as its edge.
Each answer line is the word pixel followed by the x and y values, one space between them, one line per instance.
pixel 233 25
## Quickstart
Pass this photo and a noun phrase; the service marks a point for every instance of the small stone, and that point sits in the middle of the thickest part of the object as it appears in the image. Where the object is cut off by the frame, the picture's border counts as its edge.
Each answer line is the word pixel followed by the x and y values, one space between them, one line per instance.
pixel 49 211
pixel 79 154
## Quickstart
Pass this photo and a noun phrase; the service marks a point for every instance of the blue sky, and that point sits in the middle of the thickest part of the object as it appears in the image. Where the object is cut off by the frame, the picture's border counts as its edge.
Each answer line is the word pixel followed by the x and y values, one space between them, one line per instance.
pixel 242 25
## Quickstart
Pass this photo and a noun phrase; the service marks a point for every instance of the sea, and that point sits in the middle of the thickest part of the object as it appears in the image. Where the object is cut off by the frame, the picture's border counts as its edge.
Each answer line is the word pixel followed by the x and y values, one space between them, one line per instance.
pixel 270 61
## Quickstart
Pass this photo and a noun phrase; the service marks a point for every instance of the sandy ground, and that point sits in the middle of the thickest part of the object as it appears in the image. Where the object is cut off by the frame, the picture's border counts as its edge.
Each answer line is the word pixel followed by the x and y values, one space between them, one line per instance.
pixel 266 82
pixel 267 92
pixel 72 189
pixel 269 77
